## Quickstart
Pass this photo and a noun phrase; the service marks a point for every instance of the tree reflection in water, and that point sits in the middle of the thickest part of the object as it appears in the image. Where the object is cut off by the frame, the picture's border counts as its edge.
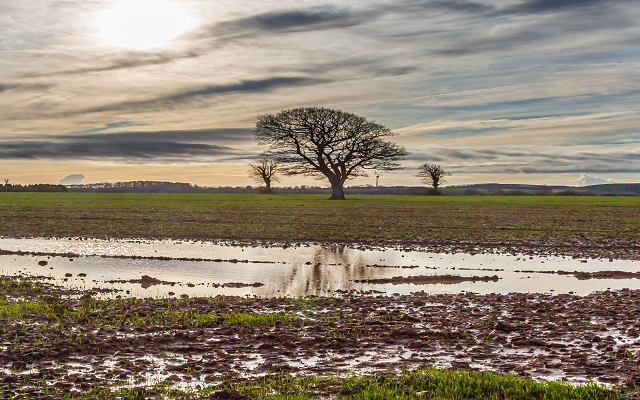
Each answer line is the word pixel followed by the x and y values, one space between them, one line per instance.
pixel 331 268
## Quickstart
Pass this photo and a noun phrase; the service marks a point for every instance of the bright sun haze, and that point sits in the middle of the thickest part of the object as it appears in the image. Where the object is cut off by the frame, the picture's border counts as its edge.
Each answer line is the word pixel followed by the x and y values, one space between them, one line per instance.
pixel 143 24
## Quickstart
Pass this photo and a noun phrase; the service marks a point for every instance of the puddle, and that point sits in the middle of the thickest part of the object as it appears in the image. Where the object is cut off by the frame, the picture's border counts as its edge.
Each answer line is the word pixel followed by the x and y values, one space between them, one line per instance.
pixel 291 271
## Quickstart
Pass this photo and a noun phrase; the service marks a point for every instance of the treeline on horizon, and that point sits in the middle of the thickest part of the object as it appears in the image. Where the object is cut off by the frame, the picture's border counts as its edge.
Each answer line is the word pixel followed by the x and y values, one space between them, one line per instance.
pixel 486 189
pixel 39 187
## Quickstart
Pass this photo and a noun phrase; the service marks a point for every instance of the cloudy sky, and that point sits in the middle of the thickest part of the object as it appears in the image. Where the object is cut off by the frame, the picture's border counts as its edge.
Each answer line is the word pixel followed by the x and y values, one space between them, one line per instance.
pixel 510 91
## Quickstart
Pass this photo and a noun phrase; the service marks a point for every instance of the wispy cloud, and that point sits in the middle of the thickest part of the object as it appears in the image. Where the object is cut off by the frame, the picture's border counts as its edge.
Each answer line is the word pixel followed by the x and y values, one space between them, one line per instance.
pixel 182 98
pixel 115 62
pixel 24 86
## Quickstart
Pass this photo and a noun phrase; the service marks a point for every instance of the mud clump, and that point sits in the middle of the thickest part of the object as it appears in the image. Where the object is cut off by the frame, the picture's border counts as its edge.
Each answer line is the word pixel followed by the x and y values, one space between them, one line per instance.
pixel 430 279
pixel 585 275
pixel 146 281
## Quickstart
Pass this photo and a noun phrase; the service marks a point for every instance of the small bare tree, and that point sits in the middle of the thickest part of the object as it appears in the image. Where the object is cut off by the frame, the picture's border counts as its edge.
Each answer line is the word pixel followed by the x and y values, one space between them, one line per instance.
pixel 265 171
pixel 433 175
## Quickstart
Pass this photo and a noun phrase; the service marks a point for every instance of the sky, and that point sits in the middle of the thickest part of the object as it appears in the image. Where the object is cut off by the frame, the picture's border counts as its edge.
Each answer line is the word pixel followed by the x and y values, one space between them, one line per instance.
pixel 526 91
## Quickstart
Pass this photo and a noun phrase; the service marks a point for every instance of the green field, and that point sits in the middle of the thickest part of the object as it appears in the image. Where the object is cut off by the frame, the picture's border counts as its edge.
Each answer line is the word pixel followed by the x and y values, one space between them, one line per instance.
pixel 403 219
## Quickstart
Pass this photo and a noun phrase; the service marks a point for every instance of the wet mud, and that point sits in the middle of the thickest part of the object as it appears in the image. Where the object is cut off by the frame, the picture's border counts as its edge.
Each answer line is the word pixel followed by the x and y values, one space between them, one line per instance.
pixel 70 342
pixel 431 279
pixel 585 275
pixel 147 281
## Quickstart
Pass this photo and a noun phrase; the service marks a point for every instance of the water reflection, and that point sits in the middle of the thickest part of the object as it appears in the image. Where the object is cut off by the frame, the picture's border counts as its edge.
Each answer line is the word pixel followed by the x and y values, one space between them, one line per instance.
pixel 292 271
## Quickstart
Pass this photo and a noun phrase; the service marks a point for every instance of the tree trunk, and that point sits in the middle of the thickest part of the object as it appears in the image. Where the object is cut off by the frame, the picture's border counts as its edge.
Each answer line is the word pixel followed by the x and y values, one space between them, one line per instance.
pixel 338 191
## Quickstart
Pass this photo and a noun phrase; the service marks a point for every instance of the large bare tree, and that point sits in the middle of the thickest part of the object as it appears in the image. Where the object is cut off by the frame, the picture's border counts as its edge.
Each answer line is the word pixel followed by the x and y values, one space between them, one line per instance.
pixel 265 171
pixel 326 143
pixel 433 175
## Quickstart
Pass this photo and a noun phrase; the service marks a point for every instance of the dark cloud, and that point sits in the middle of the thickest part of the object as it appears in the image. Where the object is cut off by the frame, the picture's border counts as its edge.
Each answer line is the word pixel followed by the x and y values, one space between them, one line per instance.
pixel 107 149
pixel 182 98
pixel 543 6
pixel 162 145
pixel 327 17
pixel 546 168
pixel 184 135
pixel 324 18
pixel 533 160
pixel 119 62
pixel 421 7
pixel 493 43
pixel 464 6
pixel 5 87
pixel 296 20
pixel 246 86
pixel 23 86
pixel 552 153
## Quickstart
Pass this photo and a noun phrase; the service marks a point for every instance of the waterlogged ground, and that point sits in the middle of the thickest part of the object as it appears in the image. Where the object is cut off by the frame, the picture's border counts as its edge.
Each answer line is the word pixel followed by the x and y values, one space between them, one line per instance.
pixel 199 268
pixel 193 319
pixel 56 342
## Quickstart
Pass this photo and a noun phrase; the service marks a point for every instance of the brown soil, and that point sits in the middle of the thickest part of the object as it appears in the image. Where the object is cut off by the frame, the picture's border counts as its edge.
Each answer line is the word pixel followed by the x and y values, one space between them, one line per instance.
pixel 430 279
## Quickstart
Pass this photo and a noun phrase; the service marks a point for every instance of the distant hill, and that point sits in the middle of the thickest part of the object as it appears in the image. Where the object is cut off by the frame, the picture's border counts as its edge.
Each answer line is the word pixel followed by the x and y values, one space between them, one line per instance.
pixel 487 189
pixel 617 189
pixel 613 189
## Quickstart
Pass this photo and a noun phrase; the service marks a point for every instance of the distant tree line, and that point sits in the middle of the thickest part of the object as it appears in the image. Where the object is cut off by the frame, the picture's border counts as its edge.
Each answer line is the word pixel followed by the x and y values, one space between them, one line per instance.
pixel 492 189
pixel 41 187
pixel 135 187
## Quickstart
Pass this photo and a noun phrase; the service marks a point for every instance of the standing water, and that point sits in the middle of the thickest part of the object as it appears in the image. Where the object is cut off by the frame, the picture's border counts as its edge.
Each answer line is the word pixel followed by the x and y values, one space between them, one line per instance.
pixel 208 268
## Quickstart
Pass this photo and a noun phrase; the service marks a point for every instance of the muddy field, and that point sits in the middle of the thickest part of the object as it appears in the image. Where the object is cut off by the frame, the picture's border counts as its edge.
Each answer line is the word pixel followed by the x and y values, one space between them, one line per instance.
pixel 601 227
pixel 58 342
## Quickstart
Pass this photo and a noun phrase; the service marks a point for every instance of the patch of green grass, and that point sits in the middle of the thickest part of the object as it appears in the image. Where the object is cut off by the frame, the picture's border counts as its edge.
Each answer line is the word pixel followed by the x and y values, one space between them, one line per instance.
pixel 12 286
pixel 436 384
pixel 428 383
pixel 409 219
pixel 21 310
pixel 239 318
pixel 130 313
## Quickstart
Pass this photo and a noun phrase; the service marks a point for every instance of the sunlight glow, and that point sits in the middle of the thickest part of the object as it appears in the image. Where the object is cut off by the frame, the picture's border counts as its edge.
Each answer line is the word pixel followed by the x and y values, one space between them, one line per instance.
pixel 143 24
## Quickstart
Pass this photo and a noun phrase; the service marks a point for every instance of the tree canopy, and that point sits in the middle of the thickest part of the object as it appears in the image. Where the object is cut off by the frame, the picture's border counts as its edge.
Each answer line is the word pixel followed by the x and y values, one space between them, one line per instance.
pixel 264 170
pixel 433 175
pixel 327 143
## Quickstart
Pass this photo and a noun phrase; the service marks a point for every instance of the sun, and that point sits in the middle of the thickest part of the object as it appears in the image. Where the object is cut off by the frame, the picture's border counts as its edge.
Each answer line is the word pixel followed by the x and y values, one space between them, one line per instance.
pixel 143 24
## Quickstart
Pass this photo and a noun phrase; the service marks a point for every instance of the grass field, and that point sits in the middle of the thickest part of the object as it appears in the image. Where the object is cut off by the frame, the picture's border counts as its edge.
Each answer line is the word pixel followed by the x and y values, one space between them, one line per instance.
pixel 404 219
